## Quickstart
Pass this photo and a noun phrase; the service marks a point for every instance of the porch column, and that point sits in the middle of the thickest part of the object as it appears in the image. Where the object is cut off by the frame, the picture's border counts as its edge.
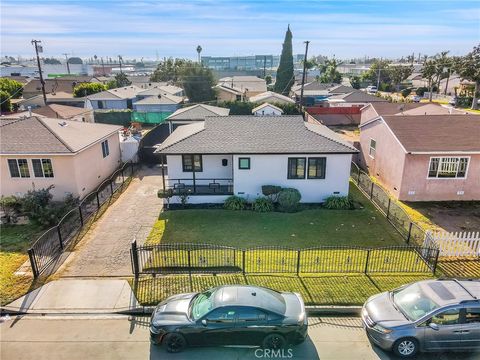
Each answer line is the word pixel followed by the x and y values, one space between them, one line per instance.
pixel 163 171
pixel 193 174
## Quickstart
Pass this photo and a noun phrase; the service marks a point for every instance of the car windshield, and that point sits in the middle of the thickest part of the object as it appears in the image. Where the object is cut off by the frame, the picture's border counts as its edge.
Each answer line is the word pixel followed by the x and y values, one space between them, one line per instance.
pixel 201 304
pixel 413 302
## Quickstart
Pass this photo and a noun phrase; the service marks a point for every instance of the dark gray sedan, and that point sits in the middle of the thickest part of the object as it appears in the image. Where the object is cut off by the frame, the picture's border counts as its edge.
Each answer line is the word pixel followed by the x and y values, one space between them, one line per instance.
pixel 230 315
pixel 430 315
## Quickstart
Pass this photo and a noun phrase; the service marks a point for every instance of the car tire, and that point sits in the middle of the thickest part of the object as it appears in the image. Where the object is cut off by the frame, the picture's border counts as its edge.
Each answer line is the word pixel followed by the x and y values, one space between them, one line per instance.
pixel 174 342
pixel 274 341
pixel 405 348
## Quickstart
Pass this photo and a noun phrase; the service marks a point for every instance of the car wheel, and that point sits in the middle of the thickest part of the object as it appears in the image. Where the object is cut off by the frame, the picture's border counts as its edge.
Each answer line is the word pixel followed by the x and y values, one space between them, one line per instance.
pixel 174 342
pixel 406 347
pixel 274 341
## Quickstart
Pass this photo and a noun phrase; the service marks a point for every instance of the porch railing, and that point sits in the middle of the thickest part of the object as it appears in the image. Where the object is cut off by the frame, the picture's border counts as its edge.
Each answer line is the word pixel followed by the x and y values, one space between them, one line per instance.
pixel 201 186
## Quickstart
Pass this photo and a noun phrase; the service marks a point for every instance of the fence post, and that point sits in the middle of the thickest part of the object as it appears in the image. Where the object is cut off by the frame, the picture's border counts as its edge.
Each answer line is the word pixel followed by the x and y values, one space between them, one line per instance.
pixel 388 207
pixel 131 168
pixel 409 232
pixel 366 262
pixel 111 188
pixel 123 176
pixel 358 179
pixel 298 262
pixel 135 258
pixel 371 191
pixel 59 236
pixel 81 215
pixel 98 200
pixel 243 261
pixel 33 264
pixel 189 263
pixel 436 261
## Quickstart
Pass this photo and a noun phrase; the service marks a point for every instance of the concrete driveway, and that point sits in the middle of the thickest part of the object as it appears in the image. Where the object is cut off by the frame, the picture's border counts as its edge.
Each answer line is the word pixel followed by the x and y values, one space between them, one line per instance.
pixel 104 250
pixel 122 337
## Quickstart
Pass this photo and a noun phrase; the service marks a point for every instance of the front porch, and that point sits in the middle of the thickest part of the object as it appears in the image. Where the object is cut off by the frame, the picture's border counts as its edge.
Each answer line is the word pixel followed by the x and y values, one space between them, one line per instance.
pixel 201 186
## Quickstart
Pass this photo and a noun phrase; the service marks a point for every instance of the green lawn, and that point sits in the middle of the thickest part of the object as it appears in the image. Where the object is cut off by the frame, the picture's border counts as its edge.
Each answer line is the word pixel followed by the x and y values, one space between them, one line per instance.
pixel 15 240
pixel 306 228
pixel 338 289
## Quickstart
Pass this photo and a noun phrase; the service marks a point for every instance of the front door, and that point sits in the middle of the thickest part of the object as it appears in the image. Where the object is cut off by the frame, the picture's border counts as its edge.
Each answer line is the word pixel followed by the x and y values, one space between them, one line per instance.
pixel 471 328
pixel 447 334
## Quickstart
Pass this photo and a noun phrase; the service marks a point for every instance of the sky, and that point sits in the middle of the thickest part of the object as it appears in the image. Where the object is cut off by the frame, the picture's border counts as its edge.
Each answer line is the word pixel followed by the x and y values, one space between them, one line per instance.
pixel 138 28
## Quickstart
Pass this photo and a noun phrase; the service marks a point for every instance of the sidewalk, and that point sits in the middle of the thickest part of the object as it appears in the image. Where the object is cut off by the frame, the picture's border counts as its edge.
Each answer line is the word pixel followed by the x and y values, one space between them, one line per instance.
pixel 72 296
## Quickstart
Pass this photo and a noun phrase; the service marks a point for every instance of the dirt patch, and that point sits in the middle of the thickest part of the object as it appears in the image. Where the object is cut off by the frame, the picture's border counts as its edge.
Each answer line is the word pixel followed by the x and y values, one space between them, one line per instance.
pixel 349 133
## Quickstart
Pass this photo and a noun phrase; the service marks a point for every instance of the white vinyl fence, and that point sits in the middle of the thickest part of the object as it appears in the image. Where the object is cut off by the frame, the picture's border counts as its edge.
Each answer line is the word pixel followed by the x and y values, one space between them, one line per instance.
pixel 460 244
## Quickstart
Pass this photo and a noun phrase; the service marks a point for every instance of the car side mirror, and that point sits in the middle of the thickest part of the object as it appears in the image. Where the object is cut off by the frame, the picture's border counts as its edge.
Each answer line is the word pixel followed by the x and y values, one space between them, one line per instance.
pixel 204 322
pixel 434 326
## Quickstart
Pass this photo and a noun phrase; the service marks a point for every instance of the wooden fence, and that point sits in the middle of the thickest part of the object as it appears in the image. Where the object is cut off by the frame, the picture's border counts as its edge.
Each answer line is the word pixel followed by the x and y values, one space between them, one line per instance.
pixel 458 244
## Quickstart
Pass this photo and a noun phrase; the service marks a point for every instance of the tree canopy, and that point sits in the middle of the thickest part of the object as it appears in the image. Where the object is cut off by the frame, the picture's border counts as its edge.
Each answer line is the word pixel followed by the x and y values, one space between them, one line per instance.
pixel 75 60
pixel 168 69
pixel 468 67
pixel 85 89
pixel 329 72
pixel 5 100
pixel 12 87
pixel 51 61
pixel 120 80
pixel 285 76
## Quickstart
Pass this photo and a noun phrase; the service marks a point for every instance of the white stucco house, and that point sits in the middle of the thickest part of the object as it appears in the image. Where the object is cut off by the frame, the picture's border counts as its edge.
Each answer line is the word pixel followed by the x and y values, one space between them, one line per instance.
pixel 267 109
pixel 236 155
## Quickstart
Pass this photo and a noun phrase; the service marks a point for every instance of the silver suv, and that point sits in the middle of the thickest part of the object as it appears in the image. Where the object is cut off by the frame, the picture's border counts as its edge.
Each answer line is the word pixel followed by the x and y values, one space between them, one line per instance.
pixel 430 315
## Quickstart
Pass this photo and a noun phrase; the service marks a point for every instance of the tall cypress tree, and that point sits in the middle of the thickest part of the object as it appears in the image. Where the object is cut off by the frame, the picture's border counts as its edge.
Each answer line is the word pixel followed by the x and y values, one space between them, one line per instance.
pixel 285 69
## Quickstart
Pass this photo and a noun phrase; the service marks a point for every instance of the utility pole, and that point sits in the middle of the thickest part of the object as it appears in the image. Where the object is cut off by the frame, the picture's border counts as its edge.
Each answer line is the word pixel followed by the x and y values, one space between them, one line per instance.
pixel 39 49
pixel 66 60
pixel 304 72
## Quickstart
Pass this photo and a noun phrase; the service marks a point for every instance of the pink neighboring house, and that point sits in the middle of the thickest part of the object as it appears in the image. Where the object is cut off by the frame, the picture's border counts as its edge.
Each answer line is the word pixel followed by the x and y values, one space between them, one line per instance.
pixel 422 157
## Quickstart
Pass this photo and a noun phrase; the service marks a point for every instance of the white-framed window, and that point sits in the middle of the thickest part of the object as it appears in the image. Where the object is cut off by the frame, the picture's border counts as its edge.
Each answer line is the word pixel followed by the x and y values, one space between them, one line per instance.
pixel 42 168
pixel 105 149
pixel 448 167
pixel 18 168
pixel 373 148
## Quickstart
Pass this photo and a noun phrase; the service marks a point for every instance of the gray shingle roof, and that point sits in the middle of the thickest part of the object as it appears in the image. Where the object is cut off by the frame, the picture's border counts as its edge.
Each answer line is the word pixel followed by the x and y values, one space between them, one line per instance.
pixel 254 135
pixel 198 112
pixel 35 135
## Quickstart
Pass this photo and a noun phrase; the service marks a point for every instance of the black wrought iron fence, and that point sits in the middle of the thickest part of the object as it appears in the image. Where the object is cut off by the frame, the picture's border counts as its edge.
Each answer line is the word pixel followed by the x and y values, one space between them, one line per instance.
pixel 395 214
pixel 206 258
pixel 51 244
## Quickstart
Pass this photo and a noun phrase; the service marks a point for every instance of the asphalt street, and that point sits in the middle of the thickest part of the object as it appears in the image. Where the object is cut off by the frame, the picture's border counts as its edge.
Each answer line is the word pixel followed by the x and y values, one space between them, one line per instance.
pixel 124 337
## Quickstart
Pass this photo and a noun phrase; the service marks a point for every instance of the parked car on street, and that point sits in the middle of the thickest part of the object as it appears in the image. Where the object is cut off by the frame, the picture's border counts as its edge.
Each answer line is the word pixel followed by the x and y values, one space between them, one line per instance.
pixel 372 89
pixel 230 315
pixel 416 98
pixel 430 315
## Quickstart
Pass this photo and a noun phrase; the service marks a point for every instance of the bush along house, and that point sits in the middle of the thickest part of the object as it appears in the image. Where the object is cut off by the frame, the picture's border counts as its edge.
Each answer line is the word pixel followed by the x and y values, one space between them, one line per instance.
pixel 236 155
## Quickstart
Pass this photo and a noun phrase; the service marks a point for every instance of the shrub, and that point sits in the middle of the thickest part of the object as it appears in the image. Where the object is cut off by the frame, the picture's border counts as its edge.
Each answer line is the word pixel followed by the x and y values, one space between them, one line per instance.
pixel 338 203
pixel 406 92
pixel 11 206
pixel 271 191
pixel 288 199
pixel 262 204
pixel 421 90
pixel 235 203
pixel 165 193
pixel 38 206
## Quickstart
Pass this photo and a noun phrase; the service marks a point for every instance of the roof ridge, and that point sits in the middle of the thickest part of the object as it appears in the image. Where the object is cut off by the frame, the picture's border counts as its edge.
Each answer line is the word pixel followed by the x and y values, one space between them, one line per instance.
pixel 54 134
pixel 14 121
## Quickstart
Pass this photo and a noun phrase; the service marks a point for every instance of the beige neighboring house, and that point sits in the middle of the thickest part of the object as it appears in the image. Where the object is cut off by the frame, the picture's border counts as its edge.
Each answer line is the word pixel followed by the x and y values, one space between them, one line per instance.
pixel 272 98
pixel 247 85
pixel 75 157
pixel 57 111
pixel 225 93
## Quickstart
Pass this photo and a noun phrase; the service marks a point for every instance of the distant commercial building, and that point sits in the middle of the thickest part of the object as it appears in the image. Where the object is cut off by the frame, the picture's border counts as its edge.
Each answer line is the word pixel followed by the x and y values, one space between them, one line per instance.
pixel 252 62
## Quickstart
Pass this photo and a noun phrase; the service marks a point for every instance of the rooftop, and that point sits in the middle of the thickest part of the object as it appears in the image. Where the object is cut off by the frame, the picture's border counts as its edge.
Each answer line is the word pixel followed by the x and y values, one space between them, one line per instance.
pixel 436 133
pixel 163 98
pixel 253 135
pixel 40 135
pixel 264 105
pixel 126 92
pixel 60 111
pixel 268 94
pixel 198 112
